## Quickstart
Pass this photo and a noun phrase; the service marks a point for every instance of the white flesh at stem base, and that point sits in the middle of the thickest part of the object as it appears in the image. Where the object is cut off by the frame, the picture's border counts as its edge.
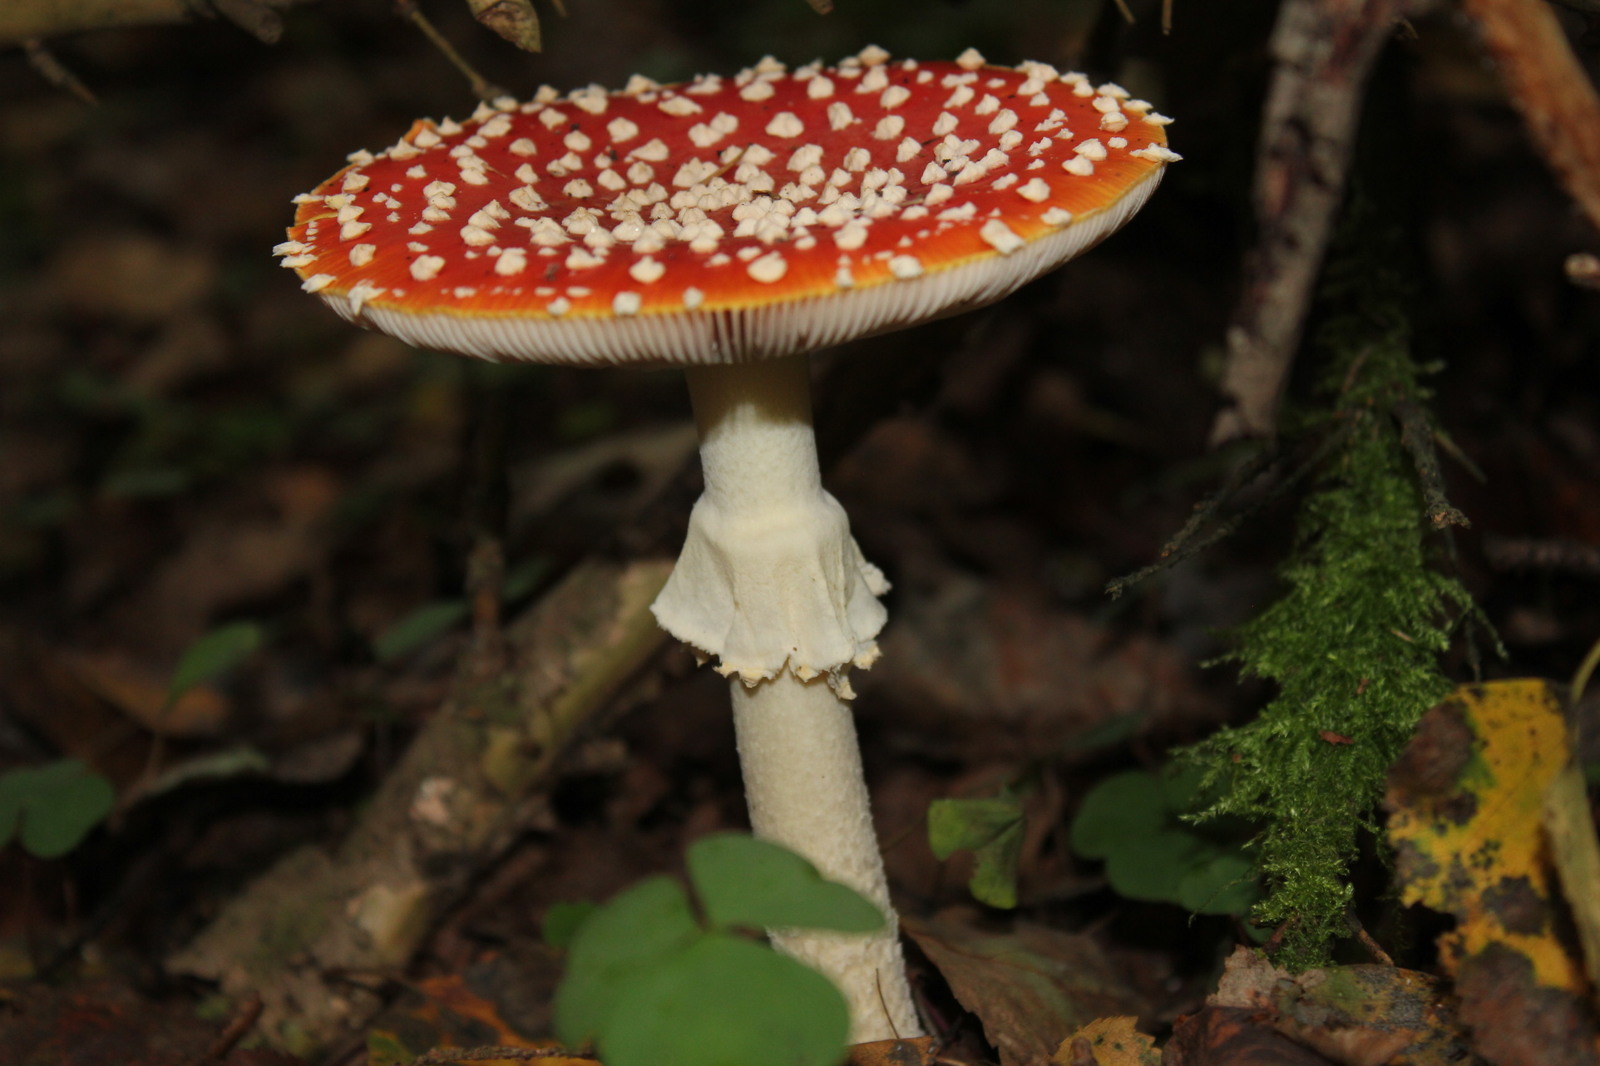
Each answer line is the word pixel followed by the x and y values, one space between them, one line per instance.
pixel 771 582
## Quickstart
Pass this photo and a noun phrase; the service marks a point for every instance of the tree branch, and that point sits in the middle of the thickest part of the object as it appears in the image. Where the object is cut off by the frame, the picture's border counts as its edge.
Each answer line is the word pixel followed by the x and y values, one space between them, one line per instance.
pixel 1549 88
pixel 1324 51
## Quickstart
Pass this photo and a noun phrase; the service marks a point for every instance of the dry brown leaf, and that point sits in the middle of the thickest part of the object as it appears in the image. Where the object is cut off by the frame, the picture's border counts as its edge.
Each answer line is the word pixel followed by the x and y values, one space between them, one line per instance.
pixel 141 694
pixel 1233 1036
pixel 917 1052
pixel 1030 988
pixel 1007 674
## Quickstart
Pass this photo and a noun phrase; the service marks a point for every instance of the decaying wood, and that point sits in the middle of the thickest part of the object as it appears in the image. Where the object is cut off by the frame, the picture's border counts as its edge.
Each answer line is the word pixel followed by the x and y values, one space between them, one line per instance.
pixel 322 930
pixel 1323 51
pixel 1549 88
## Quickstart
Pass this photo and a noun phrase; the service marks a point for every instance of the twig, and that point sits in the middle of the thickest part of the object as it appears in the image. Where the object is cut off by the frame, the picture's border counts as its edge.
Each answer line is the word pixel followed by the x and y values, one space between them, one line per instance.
pixel 1534 553
pixel 1186 544
pixel 1416 436
pixel 1364 938
pixel 1324 50
pixel 244 1019
pixel 482 88
pixel 1549 87
pixel 444 1056
pixel 55 72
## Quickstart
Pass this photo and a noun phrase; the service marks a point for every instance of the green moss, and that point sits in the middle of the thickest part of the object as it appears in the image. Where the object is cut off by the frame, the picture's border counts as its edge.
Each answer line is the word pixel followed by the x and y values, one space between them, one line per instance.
pixel 1352 643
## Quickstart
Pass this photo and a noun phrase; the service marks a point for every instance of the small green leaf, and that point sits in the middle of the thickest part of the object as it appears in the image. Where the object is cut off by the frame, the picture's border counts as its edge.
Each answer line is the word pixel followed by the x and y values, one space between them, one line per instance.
pixel 994 879
pixel 628 938
pixel 563 919
pixel 754 883
pixel 1223 884
pixel 417 628
pixel 727 1001
pixel 1124 807
pixel 1152 866
pixel 969 824
pixel 213 655
pixel 56 805
pixel 1181 784
pixel 992 830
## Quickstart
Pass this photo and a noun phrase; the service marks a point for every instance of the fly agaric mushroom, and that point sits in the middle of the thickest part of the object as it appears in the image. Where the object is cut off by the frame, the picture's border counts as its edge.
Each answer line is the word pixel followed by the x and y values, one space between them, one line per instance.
pixel 730 226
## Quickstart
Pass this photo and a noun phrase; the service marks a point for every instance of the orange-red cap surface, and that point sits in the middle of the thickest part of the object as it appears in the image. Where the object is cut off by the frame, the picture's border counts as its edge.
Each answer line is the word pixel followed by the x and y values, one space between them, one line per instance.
pixel 728 218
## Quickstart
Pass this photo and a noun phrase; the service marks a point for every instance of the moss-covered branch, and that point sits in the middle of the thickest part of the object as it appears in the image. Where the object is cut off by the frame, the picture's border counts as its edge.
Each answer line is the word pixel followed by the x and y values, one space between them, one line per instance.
pixel 1353 642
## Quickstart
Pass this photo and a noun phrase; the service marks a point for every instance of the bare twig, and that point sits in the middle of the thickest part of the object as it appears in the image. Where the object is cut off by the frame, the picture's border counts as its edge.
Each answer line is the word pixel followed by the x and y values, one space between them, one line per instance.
pixel 482 88
pixel 1188 541
pixel 1324 50
pixel 244 1020
pixel 445 1056
pixel 1365 939
pixel 54 72
pixel 1416 436
pixel 1536 553
pixel 1549 87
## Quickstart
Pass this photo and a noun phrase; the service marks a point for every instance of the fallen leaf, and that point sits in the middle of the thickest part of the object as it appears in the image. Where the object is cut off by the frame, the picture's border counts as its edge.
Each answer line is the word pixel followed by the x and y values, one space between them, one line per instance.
pixel 1005 674
pixel 141 694
pixel 1030 988
pixel 1576 854
pixel 1353 1015
pixel 1108 1042
pixel 916 1052
pixel 444 1012
pixel 1232 1036
pixel 1466 805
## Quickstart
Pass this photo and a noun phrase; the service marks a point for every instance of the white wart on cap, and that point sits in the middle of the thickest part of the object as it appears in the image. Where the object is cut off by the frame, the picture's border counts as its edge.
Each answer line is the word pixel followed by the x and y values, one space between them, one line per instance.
pixel 727 219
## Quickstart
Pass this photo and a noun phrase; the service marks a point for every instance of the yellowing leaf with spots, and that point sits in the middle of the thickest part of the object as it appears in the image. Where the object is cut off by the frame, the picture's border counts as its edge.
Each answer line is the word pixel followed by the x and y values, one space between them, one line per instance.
pixel 1108 1042
pixel 1466 805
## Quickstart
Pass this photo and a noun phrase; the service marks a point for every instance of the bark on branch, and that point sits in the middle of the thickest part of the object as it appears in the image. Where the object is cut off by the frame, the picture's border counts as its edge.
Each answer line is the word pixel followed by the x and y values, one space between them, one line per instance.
pixel 1550 89
pixel 1324 51
pixel 320 932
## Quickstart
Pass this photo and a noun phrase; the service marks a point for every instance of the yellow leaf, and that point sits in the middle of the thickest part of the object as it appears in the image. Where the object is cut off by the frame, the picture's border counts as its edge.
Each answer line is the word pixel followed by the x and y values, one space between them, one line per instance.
pixel 1110 1042
pixel 1469 843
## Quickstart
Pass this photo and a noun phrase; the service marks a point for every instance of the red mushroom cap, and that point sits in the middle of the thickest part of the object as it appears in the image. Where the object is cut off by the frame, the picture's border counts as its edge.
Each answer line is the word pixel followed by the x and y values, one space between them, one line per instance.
pixel 727 219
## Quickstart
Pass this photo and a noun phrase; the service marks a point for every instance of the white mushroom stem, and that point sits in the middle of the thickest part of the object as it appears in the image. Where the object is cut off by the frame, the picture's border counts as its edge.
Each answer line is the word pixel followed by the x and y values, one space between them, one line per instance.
pixel 771 582
pixel 803 782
